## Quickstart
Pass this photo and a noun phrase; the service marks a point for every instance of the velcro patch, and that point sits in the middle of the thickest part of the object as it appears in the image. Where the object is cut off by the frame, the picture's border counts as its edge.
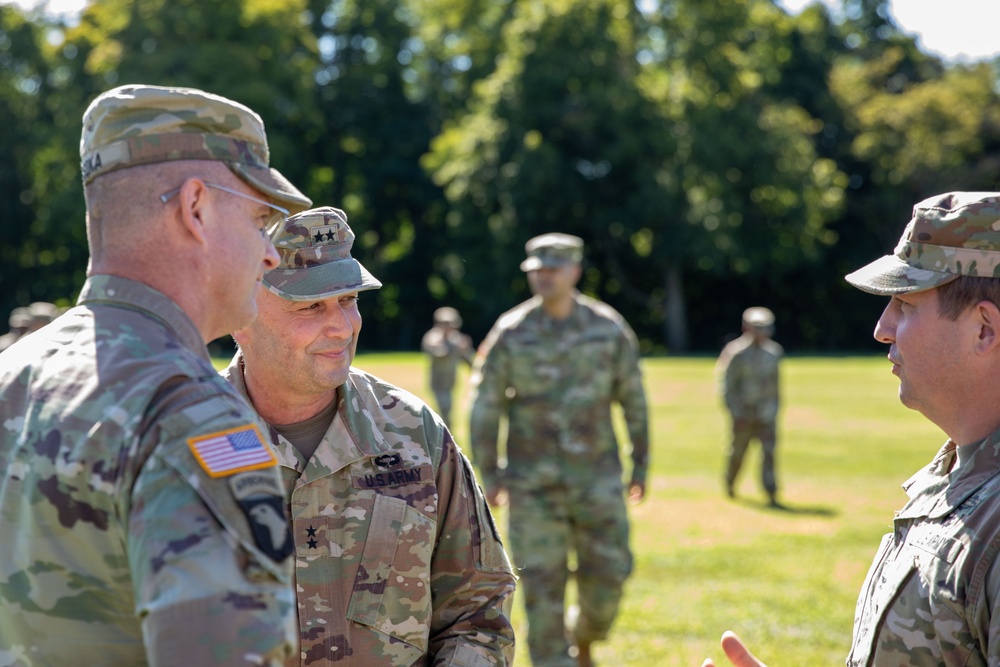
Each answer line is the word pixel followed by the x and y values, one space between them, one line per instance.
pixel 423 474
pixel 231 451
pixel 260 497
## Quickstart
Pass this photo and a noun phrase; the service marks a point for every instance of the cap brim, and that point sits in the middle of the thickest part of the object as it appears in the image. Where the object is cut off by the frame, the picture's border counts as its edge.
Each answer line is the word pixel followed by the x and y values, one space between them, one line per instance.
pixel 890 275
pixel 534 263
pixel 274 185
pixel 321 281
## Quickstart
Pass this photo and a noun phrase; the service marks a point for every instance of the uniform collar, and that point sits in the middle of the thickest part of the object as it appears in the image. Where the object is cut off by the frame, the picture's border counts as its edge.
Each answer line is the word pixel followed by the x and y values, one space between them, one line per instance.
pixel 938 488
pixel 352 436
pixel 103 289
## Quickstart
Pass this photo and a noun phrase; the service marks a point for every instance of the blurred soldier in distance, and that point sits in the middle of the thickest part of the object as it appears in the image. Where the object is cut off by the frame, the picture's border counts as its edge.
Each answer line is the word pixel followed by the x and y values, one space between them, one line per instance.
pixel 398 562
pixel 446 346
pixel 18 322
pixel 553 366
pixel 747 372
pixel 140 508
pixel 26 319
pixel 930 597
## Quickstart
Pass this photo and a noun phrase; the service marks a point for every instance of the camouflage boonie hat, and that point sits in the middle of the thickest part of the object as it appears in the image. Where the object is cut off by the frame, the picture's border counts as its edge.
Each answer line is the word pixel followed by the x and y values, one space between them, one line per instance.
pixel 950 235
pixel 758 317
pixel 448 315
pixel 316 263
pixel 553 250
pixel 137 124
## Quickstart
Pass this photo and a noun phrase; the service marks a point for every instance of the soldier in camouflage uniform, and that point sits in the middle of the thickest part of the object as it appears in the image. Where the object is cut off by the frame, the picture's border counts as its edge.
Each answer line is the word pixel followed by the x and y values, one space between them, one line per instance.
pixel 553 366
pixel 446 346
pixel 397 558
pixel 930 597
pixel 748 381
pixel 140 508
pixel 27 319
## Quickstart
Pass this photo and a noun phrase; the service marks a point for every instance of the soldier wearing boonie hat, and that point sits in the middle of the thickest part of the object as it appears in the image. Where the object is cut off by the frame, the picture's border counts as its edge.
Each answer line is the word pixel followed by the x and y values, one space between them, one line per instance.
pixel 929 597
pixel 136 477
pixel 360 458
pixel 553 366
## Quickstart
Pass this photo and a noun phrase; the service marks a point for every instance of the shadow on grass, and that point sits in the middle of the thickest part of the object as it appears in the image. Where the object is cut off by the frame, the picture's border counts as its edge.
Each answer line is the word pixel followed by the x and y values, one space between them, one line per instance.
pixel 786 508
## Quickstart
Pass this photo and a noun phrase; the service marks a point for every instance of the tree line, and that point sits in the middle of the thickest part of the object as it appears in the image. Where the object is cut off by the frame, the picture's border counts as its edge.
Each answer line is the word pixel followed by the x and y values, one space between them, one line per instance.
pixel 712 156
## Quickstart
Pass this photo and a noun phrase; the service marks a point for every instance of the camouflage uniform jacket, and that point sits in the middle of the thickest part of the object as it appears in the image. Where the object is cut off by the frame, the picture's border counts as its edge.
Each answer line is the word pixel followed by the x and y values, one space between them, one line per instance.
pixel 398 561
pixel 932 595
pixel 118 547
pixel 446 349
pixel 555 382
pixel 748 378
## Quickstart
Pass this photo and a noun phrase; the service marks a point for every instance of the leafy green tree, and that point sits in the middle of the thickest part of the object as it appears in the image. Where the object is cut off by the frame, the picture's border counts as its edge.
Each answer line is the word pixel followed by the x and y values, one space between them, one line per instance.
pixel 652 136
pixel 41 253
pixel 376 122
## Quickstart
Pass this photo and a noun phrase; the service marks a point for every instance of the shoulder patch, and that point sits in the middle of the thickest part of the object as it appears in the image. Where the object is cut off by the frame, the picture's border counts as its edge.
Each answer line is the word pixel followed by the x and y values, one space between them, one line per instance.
pixel 231 451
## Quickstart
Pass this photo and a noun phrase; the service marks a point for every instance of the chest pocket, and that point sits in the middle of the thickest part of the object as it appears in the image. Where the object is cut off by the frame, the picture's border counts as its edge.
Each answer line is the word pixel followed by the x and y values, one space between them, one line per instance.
pixel 392 588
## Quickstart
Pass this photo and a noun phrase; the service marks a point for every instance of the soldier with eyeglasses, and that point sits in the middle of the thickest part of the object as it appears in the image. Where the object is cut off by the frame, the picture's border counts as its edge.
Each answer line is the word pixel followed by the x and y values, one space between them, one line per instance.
pixel 140 508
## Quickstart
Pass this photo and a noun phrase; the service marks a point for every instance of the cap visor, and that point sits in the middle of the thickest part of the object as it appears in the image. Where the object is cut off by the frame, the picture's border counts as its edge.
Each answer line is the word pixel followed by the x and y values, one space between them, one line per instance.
pixel 321 281
pixel 535 263
pixel 274 185
pixel 889 275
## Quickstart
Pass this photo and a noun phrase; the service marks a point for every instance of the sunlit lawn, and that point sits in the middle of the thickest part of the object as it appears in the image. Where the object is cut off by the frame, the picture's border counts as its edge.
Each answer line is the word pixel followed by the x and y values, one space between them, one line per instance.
pixel 786 580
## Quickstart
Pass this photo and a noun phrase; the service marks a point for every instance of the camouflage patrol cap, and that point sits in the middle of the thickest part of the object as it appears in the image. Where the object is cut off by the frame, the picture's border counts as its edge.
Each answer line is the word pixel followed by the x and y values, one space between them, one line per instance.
pixel 758 317
pixel 950 235
pixel 448 315
pixel 316 263
pixel 552 250
pixel 138 124
pixel 20 318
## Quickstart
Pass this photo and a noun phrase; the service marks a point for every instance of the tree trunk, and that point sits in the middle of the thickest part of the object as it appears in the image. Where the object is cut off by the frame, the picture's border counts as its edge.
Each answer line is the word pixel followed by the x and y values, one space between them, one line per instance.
pixel 675 326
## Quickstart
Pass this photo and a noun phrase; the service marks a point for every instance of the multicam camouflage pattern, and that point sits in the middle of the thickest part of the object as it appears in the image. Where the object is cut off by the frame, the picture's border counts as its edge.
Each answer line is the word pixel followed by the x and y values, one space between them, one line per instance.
pixel 398 561
pixel 747 373
pixel 555 381
pixel 552 250
pixel 950 235
pixel 117 547
pixel 316 263
pixel 139 124
pixel 446 347
pixel 930 596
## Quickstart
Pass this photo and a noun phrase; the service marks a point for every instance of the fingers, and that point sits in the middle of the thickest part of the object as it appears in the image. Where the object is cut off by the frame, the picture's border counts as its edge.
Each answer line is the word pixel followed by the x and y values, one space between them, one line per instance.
pixel 737 652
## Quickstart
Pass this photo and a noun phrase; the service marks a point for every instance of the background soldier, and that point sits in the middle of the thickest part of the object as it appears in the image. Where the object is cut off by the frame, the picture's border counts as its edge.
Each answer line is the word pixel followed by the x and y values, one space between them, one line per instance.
pixel 748 381
pixel 553 366
pixel 446 346
pixel 397 558
pixel 139 506
pixel 25 319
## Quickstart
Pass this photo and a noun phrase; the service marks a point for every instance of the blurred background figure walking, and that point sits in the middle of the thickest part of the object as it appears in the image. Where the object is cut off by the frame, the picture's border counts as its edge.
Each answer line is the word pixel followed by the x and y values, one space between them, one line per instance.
pixel 25 319
pixel 748 381
pixel 446 346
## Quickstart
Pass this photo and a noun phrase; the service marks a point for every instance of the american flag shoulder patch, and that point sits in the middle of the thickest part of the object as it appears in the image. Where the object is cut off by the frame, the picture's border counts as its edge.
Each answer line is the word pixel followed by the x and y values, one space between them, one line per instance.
pixel 231 451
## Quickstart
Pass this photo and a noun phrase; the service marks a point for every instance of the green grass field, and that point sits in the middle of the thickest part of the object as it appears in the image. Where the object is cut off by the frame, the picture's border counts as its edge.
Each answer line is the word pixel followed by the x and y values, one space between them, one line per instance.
pixel 785 580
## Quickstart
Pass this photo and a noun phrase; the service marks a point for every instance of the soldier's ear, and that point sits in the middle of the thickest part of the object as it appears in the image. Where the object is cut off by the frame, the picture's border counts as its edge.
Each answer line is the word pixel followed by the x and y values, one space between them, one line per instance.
pixel 193 198
pixel 986 316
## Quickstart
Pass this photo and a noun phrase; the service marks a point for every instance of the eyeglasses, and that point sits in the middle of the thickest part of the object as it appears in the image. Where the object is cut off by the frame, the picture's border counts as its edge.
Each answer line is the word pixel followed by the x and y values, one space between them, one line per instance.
pixel 273 220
